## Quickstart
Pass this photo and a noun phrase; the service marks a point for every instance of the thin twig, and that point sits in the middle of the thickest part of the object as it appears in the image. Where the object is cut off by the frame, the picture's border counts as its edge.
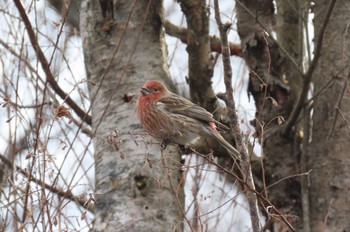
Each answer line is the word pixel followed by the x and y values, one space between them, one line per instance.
pixel 64 194
pixel 343 117
pixel 234 122
pixel 175 190
pixel 264 200
pixel 325 222
pixel 287 178
pixel 338 105
pixel 46 67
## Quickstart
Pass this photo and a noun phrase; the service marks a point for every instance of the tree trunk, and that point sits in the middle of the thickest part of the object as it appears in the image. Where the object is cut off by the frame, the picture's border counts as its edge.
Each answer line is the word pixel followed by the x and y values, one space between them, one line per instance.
pixel 270 85
pixel 124 47
pixel 329 157
pixel 200 63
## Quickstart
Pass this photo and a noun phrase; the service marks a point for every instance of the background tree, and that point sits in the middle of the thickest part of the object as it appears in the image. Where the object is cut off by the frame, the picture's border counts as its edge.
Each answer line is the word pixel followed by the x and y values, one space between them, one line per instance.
pixel 278 70
pixel 328 153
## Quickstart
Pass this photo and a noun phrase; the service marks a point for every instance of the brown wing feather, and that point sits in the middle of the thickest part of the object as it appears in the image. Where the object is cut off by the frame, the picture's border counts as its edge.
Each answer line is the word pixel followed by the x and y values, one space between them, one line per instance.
pixel 185 107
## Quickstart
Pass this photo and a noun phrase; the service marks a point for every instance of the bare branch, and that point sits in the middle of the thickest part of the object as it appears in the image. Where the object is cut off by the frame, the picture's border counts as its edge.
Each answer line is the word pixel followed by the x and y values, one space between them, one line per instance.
pixel 337 110
pixel 267 204
pixel 65 194
pixel 215 42
pixel 46 67
pixel 234 122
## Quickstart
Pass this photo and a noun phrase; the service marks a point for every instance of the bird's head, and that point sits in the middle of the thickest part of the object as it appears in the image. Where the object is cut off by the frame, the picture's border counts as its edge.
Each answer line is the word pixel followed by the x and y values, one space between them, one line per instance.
pixel 154 90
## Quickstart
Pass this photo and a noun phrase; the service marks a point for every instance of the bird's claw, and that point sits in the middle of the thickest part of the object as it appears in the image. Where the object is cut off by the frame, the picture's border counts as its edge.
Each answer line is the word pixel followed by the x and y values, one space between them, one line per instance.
pixel 164 144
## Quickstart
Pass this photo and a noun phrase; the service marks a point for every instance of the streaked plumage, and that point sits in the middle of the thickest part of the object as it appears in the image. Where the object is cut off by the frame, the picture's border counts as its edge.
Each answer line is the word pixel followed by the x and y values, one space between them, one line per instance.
pixel 168 116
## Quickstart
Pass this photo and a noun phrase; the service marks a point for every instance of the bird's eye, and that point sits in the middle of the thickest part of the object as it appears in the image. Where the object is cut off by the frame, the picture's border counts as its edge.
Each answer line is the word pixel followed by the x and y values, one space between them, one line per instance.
pixel 155 90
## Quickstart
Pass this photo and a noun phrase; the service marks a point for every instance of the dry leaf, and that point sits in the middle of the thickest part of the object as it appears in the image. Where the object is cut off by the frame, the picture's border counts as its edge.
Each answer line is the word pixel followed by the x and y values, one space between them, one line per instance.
pixel 62 111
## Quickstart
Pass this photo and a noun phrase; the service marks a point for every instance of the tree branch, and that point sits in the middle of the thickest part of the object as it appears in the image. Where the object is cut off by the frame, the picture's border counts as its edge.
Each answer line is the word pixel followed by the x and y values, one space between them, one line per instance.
pixel 235 127
pixel 46 67
pixel 215 42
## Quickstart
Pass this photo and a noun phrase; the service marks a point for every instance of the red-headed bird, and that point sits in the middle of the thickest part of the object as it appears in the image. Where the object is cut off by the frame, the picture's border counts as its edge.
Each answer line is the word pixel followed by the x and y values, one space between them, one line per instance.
pixel 173 118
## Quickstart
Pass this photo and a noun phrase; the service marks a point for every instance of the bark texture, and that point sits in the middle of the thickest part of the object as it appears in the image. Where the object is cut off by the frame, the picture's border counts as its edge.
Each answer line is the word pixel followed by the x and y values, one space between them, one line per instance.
pixel 269 85
pixel 124 47
pixel 329 152
pixel 200 63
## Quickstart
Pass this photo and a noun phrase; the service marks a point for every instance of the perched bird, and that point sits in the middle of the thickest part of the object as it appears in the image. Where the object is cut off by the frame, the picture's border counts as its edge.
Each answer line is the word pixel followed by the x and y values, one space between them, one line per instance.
pixel 173 118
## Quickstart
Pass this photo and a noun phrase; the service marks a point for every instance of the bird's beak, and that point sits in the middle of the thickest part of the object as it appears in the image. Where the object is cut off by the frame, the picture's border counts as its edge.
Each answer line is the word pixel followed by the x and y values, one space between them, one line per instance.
pixel 145 91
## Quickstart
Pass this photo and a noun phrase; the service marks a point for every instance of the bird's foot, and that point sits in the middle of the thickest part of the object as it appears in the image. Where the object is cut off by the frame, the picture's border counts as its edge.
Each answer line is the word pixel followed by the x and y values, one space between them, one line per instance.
pixel 164 144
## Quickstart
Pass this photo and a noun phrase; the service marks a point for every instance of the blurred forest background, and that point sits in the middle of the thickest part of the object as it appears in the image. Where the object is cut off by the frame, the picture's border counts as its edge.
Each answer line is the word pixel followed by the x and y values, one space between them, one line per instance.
pixel 73 156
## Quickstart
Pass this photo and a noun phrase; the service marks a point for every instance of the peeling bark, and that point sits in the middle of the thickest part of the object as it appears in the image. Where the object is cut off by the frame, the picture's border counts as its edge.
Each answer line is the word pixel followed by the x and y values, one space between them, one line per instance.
pixel 274 101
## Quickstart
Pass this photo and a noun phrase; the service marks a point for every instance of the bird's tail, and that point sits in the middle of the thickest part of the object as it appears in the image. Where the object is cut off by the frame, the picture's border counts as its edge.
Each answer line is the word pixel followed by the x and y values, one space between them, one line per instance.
pixel 233 151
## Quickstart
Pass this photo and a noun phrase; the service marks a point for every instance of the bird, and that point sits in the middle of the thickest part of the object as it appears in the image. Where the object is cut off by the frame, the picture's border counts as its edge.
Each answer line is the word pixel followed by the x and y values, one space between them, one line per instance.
pixel 174 119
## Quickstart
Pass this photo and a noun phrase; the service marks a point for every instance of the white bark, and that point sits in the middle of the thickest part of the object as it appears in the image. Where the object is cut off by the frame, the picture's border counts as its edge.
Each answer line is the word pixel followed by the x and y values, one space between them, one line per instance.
pixel 130 195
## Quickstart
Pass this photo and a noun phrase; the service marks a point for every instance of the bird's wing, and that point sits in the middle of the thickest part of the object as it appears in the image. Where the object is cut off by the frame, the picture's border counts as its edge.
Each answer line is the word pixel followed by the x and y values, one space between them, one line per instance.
pixel 180 105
